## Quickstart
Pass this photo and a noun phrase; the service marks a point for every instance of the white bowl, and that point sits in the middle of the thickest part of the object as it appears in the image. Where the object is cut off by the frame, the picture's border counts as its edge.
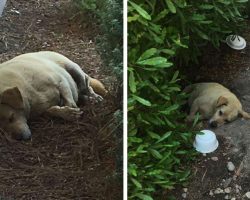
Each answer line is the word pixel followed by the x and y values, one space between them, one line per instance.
pixel 2 4
pixel 236 42
pixel 206 143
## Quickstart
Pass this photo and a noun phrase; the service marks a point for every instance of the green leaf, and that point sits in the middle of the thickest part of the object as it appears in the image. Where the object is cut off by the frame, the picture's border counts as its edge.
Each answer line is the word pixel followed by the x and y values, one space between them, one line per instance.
pixel 143 196
pixel 168 51
pixel 196 119
pixel 161 15
pixel 148 53
pixel 171 6
pixel 140 10
pixel 170 109
pixel 165 157
pixel 206 6
pixel 181 152
pixel 165 136
pixel 153 61
pixel 242 1
pixel 137 183
pixel 132 171
pixel 153 135
pixel 198 17
pixel 202 34
pixel 132 84
pixel 141 100
pixel 155 153
pixel 133 18
pixel 175 76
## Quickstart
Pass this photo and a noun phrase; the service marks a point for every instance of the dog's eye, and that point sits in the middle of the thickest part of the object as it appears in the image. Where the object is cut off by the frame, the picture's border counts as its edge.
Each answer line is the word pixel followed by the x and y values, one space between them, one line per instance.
pixel 11 118
pixel 220 113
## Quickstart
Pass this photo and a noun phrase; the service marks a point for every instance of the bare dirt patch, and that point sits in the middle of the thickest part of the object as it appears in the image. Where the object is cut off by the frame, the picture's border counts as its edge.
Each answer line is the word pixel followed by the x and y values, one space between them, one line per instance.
pixel 64 160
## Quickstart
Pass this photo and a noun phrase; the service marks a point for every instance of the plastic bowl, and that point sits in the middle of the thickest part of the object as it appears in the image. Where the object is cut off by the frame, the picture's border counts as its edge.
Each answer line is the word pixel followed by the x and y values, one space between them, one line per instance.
pixel 206 143
pixel 236 42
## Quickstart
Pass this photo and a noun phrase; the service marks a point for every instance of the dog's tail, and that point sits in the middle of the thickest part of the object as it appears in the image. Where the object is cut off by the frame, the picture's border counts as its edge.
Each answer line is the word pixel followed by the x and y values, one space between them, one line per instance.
pixel 98 87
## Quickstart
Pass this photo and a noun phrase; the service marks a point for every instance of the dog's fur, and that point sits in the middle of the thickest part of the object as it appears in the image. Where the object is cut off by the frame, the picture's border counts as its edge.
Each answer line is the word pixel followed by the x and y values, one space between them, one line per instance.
pixel 44 82
pixel 215 103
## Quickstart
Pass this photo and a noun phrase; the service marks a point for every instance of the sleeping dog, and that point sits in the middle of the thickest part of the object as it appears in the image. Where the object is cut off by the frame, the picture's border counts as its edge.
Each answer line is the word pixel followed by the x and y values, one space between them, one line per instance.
pixel 42 83
pixel 215 103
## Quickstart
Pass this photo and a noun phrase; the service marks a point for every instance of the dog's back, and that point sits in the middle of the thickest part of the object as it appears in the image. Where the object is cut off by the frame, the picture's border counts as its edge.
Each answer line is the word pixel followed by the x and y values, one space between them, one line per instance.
pixel 76 72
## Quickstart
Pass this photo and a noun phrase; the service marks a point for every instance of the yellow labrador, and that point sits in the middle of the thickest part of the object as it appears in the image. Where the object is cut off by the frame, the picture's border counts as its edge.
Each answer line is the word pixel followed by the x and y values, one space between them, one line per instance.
pixel 43 82
pixel 215 103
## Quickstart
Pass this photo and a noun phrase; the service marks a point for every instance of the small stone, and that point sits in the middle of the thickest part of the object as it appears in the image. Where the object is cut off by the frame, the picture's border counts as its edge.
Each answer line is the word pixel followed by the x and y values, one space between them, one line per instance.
pixel 234 177
pixel 233 198
pixel 184 195
pixel 211 193
pixel 226 197
pixel 230 166
pixel 227 190
pixel 214 158
pixel 247 195
pixel 227 182
pixel 235 150
pixel 185 190
pixel 218 191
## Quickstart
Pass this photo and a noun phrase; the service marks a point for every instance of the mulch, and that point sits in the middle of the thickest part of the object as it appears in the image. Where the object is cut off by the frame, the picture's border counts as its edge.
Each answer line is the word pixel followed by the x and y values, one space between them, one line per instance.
pixel 63 160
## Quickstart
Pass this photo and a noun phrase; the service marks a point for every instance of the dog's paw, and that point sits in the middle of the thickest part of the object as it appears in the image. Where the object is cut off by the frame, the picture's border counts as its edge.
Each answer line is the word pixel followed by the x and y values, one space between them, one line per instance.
pixel 65 112
pixel 69 113
pixel 98 98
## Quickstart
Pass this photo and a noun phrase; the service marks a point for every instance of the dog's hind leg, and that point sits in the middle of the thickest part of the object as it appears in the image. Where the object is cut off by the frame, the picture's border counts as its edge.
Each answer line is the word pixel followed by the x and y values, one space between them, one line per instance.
pixel 82 80
pixel 64 112
pixel 69 96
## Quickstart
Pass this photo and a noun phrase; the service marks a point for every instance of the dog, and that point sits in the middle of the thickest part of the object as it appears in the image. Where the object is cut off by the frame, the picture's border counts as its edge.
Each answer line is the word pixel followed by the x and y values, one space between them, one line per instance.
pixel 215 103
pixel 39 83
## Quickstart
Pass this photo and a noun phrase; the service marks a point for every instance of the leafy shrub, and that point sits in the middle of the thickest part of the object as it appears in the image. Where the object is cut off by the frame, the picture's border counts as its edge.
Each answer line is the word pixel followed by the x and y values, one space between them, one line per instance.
pixel 109 16
pixel 162 35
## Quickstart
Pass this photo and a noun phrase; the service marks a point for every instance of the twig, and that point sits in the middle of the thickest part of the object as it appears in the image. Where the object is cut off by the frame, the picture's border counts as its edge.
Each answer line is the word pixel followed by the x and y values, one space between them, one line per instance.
pixel 204 175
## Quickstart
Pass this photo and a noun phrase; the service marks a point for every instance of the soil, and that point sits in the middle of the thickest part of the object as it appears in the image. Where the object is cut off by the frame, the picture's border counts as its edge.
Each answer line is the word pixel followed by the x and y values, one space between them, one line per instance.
pixel 63 160
pixel 230 68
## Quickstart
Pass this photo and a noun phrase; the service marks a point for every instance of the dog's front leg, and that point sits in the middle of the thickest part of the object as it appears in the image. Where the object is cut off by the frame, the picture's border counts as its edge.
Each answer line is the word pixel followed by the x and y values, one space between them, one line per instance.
pixel 64 112
pixel 193 110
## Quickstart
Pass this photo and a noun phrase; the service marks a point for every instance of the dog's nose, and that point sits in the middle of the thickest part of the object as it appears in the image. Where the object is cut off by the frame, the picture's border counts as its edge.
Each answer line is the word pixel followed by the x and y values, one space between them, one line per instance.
pixel 23 136
pixel 214 124
pixel 26 135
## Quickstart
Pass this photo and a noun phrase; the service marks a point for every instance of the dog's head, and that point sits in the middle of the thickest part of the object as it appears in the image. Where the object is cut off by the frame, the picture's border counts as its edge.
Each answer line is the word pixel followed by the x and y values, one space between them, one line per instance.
pixel 227 111
pixel 12 114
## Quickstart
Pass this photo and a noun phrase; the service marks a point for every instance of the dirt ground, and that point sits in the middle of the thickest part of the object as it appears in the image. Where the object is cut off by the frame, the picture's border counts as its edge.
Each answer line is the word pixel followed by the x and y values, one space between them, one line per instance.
pixel 230 68
pixel 64 160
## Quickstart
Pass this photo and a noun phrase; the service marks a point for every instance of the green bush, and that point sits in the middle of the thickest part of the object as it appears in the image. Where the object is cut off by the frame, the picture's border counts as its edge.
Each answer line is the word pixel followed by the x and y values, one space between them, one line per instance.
pixel 108 14
pixel 164 34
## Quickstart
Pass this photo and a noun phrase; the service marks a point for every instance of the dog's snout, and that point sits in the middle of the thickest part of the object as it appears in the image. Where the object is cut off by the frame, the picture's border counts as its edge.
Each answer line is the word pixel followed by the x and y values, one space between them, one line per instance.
pixel 26 135
pixel 23 136
pixel 214 124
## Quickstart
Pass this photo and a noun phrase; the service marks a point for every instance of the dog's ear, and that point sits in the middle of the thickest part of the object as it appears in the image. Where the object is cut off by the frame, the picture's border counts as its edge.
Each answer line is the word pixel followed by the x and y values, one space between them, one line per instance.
pixel 221 101
pixel 13 98
pixel 243 114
